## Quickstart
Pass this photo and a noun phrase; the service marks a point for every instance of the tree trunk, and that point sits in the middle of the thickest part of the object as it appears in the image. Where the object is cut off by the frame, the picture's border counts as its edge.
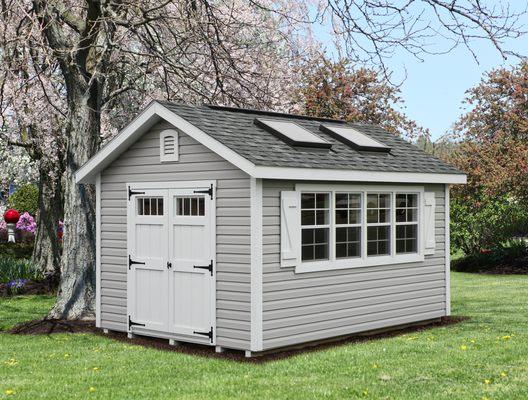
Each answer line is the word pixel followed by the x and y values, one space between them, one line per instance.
pixel 47 250
pixel 75 299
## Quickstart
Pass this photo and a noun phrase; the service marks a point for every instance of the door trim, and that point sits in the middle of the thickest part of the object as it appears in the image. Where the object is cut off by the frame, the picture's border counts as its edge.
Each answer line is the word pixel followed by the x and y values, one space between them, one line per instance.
pixel 178 185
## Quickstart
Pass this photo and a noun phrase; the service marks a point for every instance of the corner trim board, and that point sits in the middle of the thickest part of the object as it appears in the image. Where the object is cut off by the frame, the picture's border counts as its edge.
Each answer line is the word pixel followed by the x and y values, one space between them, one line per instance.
pixel 447 252
pixel 98 250
pixel 256 264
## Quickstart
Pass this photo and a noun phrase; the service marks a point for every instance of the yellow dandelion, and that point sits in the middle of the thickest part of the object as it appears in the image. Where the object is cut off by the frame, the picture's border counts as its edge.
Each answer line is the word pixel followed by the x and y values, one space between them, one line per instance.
pixel 484 398
pixel 463 347
pixel 506 337
pixel 95 368
pixel 487 381
pixel 9 392
pixel 91 389
pixel 503 374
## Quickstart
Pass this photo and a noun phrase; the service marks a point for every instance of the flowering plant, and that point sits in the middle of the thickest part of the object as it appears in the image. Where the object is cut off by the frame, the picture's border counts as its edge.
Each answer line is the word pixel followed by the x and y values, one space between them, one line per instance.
pixel 27 223
pixel 17 283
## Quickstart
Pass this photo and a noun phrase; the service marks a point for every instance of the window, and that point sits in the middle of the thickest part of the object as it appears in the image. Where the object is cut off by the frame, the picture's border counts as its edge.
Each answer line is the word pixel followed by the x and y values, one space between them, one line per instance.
pixel 150 206
pixel 190 206
pixel 315 226
pixel 348 225
pixel 406 223
pixel 378 224
pixel 345 226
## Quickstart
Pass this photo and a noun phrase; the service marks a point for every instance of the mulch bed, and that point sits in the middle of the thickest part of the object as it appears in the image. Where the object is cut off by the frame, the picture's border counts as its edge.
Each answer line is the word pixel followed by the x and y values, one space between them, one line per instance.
pixel 519 267
pixel 29 288
pixel 49 326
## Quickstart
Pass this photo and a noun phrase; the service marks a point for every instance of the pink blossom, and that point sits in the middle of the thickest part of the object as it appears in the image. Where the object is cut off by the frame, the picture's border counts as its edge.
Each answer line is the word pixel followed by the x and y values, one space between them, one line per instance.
pixel 27 223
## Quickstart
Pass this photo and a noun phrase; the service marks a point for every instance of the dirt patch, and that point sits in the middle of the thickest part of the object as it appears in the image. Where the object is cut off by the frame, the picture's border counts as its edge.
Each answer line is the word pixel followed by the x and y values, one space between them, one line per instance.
pixel 28 288
pixel 49 326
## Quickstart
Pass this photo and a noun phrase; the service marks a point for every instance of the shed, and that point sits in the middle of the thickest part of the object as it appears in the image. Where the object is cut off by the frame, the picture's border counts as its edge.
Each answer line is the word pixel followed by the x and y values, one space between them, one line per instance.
pixel 254 230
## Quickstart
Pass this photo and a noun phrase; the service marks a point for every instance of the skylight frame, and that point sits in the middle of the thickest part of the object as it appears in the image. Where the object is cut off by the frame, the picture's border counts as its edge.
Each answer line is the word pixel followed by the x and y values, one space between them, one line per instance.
pixel 321 143
pixel 379 147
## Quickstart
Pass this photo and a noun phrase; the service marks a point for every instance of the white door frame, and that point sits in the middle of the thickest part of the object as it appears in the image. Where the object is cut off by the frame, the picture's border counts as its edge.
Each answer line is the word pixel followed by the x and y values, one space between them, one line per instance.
pixel 201 184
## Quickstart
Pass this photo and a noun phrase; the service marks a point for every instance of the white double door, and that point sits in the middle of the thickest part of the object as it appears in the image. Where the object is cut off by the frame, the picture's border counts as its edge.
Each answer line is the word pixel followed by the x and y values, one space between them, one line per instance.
pixel 171 271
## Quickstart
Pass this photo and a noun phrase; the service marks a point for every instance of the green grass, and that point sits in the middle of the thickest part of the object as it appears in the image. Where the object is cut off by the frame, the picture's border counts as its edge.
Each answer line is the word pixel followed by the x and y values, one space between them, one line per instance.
pixel 462 361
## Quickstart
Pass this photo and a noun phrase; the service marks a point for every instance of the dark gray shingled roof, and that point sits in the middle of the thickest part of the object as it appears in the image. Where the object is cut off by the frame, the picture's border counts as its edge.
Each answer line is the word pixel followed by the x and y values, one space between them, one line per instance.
pixel 236 130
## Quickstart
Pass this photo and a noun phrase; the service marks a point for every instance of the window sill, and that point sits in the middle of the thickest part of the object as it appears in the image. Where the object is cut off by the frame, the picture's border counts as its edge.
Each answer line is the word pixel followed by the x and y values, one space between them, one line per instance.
pixel 357 263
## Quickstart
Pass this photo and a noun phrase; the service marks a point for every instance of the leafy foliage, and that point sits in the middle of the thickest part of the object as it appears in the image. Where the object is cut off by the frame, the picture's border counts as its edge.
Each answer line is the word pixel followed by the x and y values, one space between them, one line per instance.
pixel 484 223
pixel 18 251
pixel 337 90
pixel 494 135
pixel 12 269
pixel 25 199
pixel 502 257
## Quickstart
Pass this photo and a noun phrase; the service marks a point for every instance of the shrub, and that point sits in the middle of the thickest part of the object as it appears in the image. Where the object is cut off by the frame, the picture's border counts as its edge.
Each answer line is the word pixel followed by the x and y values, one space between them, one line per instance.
pixel 24 199
pixel 485 223
pixel 511 253
pixel 12 270
pixel 17 251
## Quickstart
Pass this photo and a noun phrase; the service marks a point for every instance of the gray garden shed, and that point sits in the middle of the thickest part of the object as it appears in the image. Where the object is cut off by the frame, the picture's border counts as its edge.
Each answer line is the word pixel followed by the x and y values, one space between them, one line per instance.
pixel 254 231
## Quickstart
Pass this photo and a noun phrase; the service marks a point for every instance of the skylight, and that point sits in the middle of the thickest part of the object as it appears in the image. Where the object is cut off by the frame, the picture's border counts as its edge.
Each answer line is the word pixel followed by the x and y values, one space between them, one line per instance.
pixel 292 133
pixel 354 138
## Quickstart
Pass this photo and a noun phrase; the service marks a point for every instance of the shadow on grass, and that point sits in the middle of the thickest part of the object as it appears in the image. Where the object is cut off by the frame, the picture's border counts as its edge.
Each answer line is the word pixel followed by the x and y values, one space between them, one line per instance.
pixel 49 326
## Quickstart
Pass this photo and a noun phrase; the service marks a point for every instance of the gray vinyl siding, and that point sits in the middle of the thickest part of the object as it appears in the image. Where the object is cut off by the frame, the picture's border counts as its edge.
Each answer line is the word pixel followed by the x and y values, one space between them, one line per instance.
pixel 141 163
pixel 311 306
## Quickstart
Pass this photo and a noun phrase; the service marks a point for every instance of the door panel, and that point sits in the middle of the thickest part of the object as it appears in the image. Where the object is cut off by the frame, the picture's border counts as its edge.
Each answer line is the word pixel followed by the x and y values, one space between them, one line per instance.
pixel 190 236
pixel 148 248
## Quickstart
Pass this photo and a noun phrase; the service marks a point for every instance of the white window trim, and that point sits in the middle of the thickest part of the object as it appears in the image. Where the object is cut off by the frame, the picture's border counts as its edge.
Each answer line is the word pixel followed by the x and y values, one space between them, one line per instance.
pixel 364 261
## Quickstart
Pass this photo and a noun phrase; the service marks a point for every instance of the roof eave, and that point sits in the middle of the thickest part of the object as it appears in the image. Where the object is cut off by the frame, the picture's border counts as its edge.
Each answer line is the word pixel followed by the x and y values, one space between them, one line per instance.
pixel 311 174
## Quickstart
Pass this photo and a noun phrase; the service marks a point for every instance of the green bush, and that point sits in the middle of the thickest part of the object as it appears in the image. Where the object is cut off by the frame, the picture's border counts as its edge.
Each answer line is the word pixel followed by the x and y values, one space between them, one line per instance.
pixel 510 253
pixel 24 199
pixel 12 269
pixel 18 251
pixel 485 223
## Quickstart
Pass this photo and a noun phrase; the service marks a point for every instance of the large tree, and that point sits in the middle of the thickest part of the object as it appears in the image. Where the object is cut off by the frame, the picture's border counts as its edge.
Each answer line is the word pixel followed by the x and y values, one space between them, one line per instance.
pixel 334 89
pixel 100 57
pixel 493 135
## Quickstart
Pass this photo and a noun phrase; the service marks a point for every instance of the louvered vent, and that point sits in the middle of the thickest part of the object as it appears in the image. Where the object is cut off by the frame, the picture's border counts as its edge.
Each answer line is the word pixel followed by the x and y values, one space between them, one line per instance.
pixel 169 145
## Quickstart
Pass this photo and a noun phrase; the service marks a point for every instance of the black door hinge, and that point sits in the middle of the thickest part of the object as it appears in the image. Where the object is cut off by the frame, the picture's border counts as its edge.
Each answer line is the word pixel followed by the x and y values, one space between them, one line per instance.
pixel 207 267
pixel 169 265
pixel 208 334
pixel 132 193
pixel 130 262
pixel 130 323
pixel 208 191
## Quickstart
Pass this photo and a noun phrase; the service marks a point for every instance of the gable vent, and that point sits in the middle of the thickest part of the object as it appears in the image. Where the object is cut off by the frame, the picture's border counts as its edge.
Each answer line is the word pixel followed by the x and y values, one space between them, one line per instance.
pixel 169 145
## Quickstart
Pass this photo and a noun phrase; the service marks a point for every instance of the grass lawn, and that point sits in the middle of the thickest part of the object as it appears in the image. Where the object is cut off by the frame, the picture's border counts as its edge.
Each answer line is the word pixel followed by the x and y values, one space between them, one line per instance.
pixel 485 357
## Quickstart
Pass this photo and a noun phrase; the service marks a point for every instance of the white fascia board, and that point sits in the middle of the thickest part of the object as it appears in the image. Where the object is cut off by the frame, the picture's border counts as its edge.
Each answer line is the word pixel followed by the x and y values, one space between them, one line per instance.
pixel 142 123
pixel 315 174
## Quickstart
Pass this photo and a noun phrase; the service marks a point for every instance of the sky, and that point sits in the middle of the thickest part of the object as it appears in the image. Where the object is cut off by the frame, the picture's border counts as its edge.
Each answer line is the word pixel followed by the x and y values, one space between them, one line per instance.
pixel 434 89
